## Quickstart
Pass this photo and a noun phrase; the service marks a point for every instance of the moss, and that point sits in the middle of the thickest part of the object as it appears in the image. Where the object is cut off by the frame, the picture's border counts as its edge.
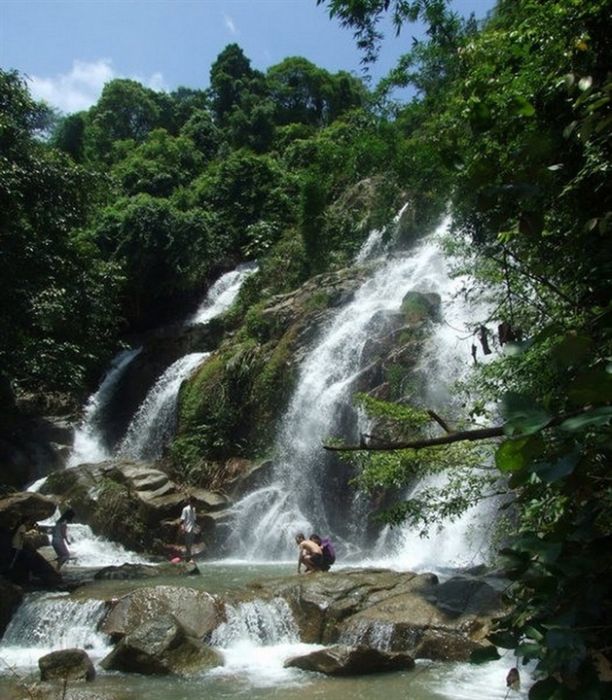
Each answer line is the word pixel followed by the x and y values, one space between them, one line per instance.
pixel 417 307
pixel 258 325
pixel 60 482
pixel 115 517
pixel 318 301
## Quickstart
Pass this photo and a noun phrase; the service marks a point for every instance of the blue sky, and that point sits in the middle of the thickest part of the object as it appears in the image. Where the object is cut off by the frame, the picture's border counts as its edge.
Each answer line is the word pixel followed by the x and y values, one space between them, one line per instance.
pixel 70 48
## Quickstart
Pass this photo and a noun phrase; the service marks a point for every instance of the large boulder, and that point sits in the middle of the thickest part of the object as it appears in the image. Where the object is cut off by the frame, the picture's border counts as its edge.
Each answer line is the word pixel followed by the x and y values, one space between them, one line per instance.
pixel 160 646
pixel 390 611
pixel 196 611
pixel 341 660
pixel 66 665
pixel 25 505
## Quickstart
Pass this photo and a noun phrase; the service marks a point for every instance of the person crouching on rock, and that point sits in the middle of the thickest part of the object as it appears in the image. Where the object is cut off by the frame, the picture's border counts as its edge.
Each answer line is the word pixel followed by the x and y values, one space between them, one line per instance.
pixel 311 554
pixel 59 537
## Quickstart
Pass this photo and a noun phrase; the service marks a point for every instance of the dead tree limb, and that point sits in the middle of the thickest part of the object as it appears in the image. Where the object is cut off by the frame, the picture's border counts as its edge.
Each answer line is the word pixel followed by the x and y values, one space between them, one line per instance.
pixel 459 436
pixel 440 421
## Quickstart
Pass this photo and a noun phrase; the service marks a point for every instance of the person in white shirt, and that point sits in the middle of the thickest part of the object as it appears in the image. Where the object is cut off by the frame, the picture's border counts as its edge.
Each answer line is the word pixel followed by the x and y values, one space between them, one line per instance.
pixel 188 525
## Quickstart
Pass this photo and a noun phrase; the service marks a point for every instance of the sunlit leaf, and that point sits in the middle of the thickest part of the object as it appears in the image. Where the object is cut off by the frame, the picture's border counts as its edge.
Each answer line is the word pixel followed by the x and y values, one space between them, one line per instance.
pixel 595 418
pixel 514 455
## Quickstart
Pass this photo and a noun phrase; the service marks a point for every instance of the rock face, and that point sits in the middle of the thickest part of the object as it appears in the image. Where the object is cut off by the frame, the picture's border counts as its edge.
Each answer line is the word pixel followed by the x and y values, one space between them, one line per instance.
pixel 196 611
pixel 67 664
pixel 160 646
pixel 132 502
pixel 341 660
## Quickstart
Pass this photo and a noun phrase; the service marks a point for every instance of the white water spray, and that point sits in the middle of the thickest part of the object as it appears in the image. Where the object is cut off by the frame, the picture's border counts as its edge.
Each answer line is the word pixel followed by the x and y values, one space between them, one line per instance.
pixel 293 500
pixel 88 445
pixel 256 640
pixel 223 293
pixel 48 622
pixel 155 420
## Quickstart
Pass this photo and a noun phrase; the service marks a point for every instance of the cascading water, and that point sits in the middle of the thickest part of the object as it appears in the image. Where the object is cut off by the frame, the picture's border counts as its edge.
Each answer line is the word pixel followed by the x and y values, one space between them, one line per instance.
pixel 257 637
pixel 155 420
pixel 47 622
pixel 293 501
pixel 223 293
pixel 88 445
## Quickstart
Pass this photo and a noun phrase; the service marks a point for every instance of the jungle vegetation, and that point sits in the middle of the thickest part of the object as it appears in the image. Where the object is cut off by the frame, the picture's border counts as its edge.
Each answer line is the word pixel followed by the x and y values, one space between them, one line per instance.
pixel 112 217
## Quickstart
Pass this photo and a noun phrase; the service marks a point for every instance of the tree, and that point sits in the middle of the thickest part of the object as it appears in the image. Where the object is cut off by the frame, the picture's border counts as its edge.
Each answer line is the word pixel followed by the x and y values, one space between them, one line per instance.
pixel 59 297
pixel 521 111
pixel 163 252
pixel 126 110
pixel 159 165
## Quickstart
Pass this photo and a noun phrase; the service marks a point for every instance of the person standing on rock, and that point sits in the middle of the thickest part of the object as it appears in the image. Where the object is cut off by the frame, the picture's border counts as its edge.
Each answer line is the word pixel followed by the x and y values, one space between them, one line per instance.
pixel 188 525
pixel 59 537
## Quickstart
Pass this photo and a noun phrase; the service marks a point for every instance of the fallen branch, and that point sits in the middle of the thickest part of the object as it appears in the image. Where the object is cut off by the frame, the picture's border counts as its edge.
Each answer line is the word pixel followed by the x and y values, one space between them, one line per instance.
pixel 460 436
pixel 440 421
pixel 481 434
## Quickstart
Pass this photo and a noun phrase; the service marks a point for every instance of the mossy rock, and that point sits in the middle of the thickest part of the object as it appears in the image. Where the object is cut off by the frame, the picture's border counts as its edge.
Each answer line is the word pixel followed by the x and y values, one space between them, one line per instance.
pixel 417 307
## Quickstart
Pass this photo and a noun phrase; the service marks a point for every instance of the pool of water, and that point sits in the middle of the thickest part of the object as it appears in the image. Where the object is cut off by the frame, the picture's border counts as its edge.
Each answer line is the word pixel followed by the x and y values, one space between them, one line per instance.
pixel 252 668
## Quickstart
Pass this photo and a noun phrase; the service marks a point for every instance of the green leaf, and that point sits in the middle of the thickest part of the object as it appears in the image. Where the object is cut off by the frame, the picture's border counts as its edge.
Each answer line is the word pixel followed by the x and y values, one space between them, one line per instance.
pixel 533 633
pixel 547 689
pixel 592 386
pixel 514 455
pixel 530 650
pixel 523 416
pixel 484 654
pixel 522 107
pixel 572 350
pixel 595 418
pixel 551 472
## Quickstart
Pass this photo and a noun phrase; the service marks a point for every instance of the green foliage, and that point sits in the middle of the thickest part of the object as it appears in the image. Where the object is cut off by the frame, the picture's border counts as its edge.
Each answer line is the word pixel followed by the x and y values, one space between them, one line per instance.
pixel 518 123
pixel 59 296
pixel 159 165
pixel 245 190
pixel 162 250
pixel 126 110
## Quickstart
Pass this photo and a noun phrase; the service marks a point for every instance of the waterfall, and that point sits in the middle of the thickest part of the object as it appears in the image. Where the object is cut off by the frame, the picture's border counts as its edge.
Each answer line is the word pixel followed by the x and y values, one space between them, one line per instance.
pixel 88 445
pixel 155 420
pixel 256 639
pixel 223 293
pixel 47 622
pixel 294 500
pixel 257 621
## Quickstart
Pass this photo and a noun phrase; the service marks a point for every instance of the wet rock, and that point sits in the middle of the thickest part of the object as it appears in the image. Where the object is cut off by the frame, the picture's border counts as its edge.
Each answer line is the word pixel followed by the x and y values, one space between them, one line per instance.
pixel 466 594
pixel 418 307
pixel 385 610
pixel 25 505
pixel 10 599
pixel 341 660
pixel 160 646
pixel 66 664
pixel 196 611
pixel 127 572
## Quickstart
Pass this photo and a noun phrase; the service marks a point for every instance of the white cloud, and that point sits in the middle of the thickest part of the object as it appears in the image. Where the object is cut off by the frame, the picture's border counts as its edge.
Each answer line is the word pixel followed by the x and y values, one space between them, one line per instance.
pixel 81 86
pixel 229 23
